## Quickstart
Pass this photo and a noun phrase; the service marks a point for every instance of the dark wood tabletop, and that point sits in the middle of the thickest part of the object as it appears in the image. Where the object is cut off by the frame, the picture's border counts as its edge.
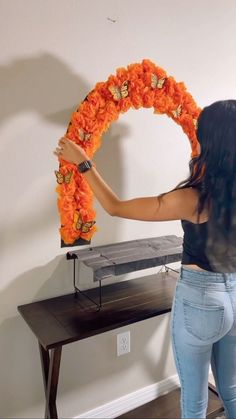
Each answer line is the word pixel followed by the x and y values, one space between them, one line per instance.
pixel 68 318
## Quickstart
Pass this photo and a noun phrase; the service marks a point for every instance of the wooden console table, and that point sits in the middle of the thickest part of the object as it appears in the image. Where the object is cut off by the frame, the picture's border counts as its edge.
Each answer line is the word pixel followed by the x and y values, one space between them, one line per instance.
pixel 72 317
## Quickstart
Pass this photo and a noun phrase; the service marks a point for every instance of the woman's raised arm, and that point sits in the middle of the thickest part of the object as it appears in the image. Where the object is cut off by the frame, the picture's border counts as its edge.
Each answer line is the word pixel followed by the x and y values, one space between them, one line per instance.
pixel 174 205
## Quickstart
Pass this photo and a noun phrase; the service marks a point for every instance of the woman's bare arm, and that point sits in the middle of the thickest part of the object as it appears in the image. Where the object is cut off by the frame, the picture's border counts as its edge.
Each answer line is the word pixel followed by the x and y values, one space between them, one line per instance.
pixel 174 205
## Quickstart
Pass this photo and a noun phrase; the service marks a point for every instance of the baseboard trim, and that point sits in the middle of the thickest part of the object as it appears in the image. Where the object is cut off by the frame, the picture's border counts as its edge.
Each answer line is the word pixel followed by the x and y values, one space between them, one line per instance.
pixel 130 401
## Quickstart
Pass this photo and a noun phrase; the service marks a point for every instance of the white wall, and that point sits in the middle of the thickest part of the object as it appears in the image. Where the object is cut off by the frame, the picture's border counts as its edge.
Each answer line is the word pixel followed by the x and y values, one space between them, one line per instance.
pixel 52 54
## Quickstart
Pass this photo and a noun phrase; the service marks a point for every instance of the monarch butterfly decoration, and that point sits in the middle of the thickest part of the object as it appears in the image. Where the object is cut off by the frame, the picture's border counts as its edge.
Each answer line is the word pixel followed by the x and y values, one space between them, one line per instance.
pixel 177 112
pixel 157 83
pixel 83 135
pixel 83 227
pixel 63 178
pixel 119 92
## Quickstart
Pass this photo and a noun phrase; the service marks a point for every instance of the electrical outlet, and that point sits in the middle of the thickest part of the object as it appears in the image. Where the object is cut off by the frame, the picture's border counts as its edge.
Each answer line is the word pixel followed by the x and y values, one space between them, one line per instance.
pixel 123 343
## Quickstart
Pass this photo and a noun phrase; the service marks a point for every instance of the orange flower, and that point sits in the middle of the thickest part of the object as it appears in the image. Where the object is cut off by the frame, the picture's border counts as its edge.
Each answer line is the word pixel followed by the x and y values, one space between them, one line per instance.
pixel 139 85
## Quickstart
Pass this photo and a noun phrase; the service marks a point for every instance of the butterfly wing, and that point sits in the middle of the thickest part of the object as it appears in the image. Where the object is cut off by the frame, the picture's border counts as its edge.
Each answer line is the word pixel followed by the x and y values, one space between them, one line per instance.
pixel 177 111
pixel 124 89
pixel 78 224
pixel 195 123
pixel 87 226
pixel 160 83
pixel 87 136
pixel 154 80
pixel 115 91
pixel 67 177
pixel 81 134
pixel 59 176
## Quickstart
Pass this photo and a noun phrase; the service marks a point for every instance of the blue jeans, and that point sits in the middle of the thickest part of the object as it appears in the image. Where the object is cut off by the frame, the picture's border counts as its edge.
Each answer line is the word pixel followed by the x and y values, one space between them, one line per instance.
pixel 203 331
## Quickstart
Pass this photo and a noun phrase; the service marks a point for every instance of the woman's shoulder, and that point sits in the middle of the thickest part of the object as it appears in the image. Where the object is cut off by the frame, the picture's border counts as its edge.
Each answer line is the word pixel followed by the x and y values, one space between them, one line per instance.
pixel 191 196
pixel 178 204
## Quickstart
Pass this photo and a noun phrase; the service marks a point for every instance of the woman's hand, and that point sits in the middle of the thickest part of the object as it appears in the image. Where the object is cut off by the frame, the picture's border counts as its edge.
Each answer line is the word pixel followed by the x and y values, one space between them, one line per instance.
pixel 69 151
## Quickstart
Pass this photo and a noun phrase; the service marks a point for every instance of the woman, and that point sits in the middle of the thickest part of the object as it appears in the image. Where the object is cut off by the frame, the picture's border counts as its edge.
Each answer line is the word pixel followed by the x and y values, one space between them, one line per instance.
pixel 203 319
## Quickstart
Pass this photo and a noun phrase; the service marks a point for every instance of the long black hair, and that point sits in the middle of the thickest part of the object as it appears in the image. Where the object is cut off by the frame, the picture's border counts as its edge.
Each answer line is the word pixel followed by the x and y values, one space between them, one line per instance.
pixel 213 173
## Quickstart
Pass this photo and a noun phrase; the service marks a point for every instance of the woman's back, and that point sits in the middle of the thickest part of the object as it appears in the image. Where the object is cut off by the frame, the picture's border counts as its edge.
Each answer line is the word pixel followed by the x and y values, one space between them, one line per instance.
pixel 195 234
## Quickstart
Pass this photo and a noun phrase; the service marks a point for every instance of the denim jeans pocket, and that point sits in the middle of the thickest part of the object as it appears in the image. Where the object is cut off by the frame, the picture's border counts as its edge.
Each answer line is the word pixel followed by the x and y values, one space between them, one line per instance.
pixel 205 322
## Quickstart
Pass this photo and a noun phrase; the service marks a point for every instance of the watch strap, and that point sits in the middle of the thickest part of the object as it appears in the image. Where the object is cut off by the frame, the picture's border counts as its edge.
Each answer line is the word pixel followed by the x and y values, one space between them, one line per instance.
pixel 84 166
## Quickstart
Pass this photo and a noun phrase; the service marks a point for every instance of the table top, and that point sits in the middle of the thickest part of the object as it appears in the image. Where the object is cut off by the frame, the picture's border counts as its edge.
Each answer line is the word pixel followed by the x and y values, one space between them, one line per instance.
pixel 68 318
pixel 121 258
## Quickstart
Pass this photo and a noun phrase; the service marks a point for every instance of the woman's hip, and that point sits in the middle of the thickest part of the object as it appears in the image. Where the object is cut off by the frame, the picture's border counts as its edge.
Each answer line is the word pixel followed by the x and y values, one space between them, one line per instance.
pixel 203 308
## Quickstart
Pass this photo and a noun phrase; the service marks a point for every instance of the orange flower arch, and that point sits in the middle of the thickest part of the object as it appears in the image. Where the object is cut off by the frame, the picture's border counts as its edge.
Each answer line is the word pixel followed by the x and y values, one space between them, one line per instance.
pixel 139 85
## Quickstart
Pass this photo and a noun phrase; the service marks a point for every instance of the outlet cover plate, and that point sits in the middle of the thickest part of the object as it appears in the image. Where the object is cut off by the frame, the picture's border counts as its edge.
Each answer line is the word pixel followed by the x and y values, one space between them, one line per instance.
pixel 123 343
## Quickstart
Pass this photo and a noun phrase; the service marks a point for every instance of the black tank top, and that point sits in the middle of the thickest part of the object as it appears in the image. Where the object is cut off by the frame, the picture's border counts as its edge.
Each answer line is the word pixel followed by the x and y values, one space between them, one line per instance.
pixel 194 243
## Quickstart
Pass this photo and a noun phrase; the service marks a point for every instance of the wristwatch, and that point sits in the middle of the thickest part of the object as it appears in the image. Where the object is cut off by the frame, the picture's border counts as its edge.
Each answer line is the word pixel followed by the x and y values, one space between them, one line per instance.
pixel 84 166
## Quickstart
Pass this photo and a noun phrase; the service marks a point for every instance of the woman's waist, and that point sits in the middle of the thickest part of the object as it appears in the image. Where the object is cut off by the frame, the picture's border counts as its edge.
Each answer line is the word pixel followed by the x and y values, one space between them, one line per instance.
pixel 194 267
pixel 198 259
pixel 204 277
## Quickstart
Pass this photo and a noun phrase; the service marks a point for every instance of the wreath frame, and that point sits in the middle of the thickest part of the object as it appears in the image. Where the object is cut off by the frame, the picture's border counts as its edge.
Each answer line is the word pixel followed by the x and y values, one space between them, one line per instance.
pixel 139 85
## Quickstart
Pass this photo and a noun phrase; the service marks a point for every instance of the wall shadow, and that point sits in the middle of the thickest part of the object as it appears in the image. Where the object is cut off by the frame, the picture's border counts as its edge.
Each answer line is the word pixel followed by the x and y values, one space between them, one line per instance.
pixel 41 83
pixel 44 85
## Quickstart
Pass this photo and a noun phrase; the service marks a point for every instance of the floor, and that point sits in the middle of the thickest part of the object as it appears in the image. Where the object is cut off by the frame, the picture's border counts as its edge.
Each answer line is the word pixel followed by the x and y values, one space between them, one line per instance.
pixel 166 407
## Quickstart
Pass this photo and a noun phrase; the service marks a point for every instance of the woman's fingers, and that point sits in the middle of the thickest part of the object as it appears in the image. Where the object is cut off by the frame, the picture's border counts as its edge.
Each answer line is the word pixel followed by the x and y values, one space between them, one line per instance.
pixel 61 141
pixel 58 151
pixel 68 150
